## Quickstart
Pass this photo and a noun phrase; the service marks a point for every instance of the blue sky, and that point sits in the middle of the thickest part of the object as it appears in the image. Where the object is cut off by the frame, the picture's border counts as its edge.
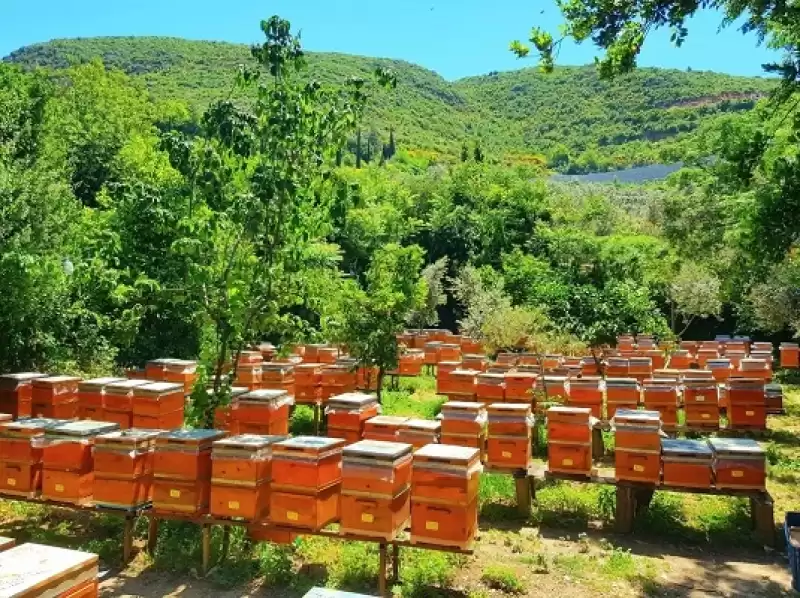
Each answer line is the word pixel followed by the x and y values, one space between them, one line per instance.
pixel 456 38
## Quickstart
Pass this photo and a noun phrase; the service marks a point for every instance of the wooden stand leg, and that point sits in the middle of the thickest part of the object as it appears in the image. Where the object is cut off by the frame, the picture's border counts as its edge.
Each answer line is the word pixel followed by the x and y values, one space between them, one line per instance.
pixel 395 563
pixel 763 516
pixel 598 448
pixel 626 507
pixel 382 570
pixel 226 543
pixel 317 408
pixel 523 488
pixel 206 532
pixel 152 535
pixel 642 499
pixel 127 540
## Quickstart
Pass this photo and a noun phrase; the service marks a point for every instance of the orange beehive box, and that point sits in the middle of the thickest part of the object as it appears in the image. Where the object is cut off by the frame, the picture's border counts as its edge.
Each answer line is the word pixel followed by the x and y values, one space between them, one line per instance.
pixel 244 460
pixel 510 359
pixel 431 350
pixel 449 352
pixel 15 440
pixel 327 354
pixel 699 391
pixel 754 368
pixel 519 387
pixel 184 454
pixel 155 369
pixel 118 396
pixel 349 411
pixel 445 474
pixel 180 371
pixel 250 375
pixel 623 390
pixel 739 463
pixel 125 454
pixel 68 446
pixel 274 372
pixel 657 358
pixel 376 468
pixel 765 355
pixel 617 367
pixel 91 392
pixel 54 389
pixel 267 350
pixel 690 346
pixel 529 360
pixel 705 415
pixel 367 378
pixel 166 421
pixel 471 346
pixel 157 399
pixel 681 359
pixel 509 419
pixel 461 383
pixel 443 525
pixel 790 355
pixel 637 466
pixel 736 358
pixel 443 371
pixel 122 494
pixel 266 408
pixel 640 367
pixel 249 357
pixel 745 391
pixel 338 379
pixel 720 368
pixel 20 479
pixel 638 431
pixel 38 571
pixel 551 362
pixel 67 486
pixel 589 366
pixel 569 425
pixel 349 436
pixel 419 432
pixel 553 387
pixel 687 463
pixel 411 362
pixel 660 393
pixel 587 390
pixel 58 411
pixel 381 517
pixel 762 346
pixel 704 355
pixel 714 345
pixel 189 497
pixel 471 361
pixel 307 462
pixel 774 398
pixel 311 511
pixel 308 374
pixel 463 418
pixel 748 417
pixel 236 502
pixel 383 427
pixel 509 452
pixel 16 392
pixel 490 387
pixel 569 458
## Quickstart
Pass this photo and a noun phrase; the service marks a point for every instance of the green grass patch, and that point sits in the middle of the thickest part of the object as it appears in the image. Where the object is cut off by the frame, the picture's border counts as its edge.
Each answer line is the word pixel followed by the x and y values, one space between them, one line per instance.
pixel 503 578
pixel 423 405
pixel 427 574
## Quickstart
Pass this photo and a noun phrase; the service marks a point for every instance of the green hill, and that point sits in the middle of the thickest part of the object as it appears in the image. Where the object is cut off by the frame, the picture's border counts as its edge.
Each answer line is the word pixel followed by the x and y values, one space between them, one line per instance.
pixel 566 115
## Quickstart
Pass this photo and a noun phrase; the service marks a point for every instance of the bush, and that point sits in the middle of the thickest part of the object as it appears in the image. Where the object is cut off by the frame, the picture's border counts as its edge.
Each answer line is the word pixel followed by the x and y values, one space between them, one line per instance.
pixel 503 578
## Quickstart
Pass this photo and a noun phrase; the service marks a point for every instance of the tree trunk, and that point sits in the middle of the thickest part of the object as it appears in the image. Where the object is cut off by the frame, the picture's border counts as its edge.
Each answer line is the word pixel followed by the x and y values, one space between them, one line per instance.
pixel 358 149
pixel 218 371
pixel 379 385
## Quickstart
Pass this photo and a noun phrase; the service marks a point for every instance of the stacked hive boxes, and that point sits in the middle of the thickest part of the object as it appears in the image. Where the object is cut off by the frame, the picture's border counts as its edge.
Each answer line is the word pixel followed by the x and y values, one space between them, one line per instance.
pixel 472 361
pixel 337 380
pixel 617 367
pixel 16 393
pixel 662 395
pixel 774 398
pixel 551 388
pixel 267 350
pixel 464 424
pixel 264 412
pixel 621 393
pixel 91 398
pixel 747 407
pixel 419 432
pixel 36 570
pixel 158 406
pixel 687 463
pixel 68 461
pixel 519 387
pixel 431 351
pixel 384 427
pixel 180 371
pixel 278 376
pixel 701 403
pixel 348 413
pixel 510 431
pixel 681 359
pixel 625 342
pixel 444 495
pixel 443 371
pixel 123 468
pixel 182 471
pixel 490 387
pixel 569 440
pixel 249 372
pixel 241 470
pixel 306 481
pixel 790 355
pixel 471 346
pixel 20 458
pixel 118 402
pixel 461 385
pixel 411 362
pixel 449 352
pixel 739 464
pixel 223 413
pixel 55 397
pixel 637 445
pixel 587 392
pixel 640 368
pixel 375 498
pixel 755 368
pixel 308 383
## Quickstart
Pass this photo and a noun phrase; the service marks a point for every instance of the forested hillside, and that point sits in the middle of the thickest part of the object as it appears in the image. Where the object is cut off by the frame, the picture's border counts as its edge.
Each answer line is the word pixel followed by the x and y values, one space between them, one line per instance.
pixel 572 118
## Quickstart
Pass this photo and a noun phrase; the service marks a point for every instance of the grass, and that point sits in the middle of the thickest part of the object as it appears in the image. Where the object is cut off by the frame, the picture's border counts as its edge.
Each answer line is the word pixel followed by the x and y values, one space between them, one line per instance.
pixel 503 578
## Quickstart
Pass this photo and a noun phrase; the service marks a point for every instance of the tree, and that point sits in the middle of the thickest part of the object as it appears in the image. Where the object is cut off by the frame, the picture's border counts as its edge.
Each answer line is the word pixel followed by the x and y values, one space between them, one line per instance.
pixel 480 294
pixel 428 314
pixel 358 149
pixel 694 292
pixel 464 152
pixel 392 147
pixel 776 302
pixel 478 153
pixel 367 320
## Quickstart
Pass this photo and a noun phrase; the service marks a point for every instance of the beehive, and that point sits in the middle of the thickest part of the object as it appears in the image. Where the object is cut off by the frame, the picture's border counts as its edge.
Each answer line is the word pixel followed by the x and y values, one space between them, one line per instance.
pixel 118 402
pixel 640 368
pixel 790 355
pixel 760 346
pixel 510 359
pixel 755 368
pixel 637 445
pixel 747 403
pixel 20 458
pixel 337 380
pixel 490 387
pixel 68 462
pixel 123 468
pixel 16 393
pixel 223 413
pixel 39 571
pixel 587 392
pixel 444 493
pixel 739 463
pixel 411 362
pixel 267 350
pixel 625 342
pixel 622 393
pixel 519 387
pixel 431 351
pixel 250 375
pixel 264 412
pixel 383 427
pixel 158 406
pixel 308 383
pixel 460 384
pixel 569 439
pixel 464 424
pixel 55 397
pixel 681 359
pixel 449 351
pixel 690 346
pixel 617 367
pixel 687 463
pixel 471 361
pixel 701 403
pixel 180 371
pixel 509 435
pixel 419 432
pixel 182 471
pixel 241 469
pixel 91 397
pixel 347 414
pixel 589 366
pixel 662 396
pixel 471 346
pixel 774 398
pixel 736 358
pixel 720 368
pixel 551 388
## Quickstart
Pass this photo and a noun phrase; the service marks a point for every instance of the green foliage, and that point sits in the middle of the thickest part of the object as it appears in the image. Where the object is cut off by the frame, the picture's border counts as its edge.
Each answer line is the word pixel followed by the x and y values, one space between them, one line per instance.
pixel 503 578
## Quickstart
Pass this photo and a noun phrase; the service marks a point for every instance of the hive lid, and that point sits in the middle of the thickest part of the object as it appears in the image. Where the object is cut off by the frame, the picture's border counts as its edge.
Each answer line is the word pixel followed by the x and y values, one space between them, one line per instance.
pixel 312 444
pixel 491 377
pixel 682 446
pixel 97 383
pixel 249 441
pixel 520 409
pixel 377 449
pixel 465 372
pixel 14 379
pixel 746 383
pixel 447 453
pixel 433 344
pixel 463 406
pixel 351 400
pixel 81 428
pixel 52 380
pixel 274 366
pixel 522 375
pixel 387 420
pixel 736 446
pixel 637 416
pixel 179 363
pixel 130 436
pixel 158 388
pixel 789 346
pixel 422 425
pixel 33 569
pixel 265 395
pixel 621 382
pixel 28 425
pixel 124 386
pixel 562 410
pixel 236 391
pixel 190 436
